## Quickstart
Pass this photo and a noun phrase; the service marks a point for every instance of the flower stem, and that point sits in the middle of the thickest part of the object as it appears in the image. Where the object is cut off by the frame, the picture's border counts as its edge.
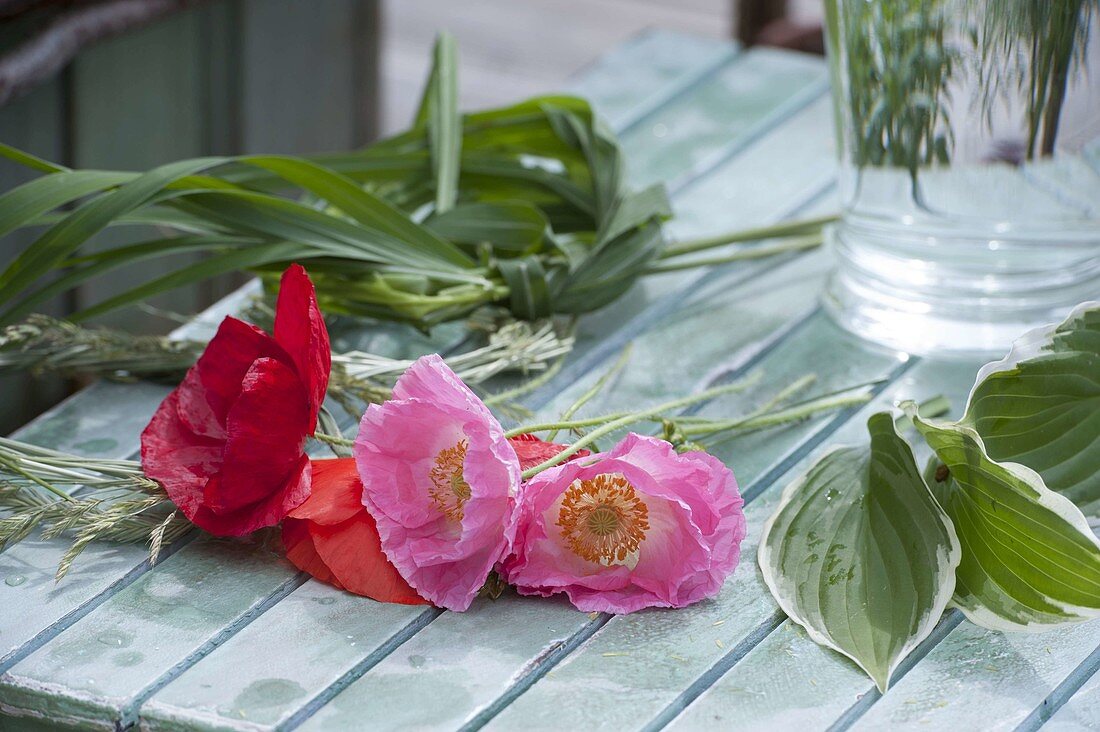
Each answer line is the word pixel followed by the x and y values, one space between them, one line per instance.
pixel 527 386
pixel 793 244
pixel 639 416
pixel 798 412
pixel 332 440
pixel 596 389
pixel 565 424
pixel 787 228
pixel 14 467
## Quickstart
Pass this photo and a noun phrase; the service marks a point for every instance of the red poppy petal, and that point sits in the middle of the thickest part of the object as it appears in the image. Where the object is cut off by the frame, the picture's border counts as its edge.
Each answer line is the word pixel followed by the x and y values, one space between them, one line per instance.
pixel 532 451
pixel 212 385
pixel 337 493
pixel 302 552
pixel 267 512
pixel 265 433
pixel 348 553
pixel 300 329
pixel 353 553
pixel 177 458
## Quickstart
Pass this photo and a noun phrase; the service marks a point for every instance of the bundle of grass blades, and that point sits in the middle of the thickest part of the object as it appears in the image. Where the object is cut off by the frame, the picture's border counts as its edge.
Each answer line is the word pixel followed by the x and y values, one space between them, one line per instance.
pixel 524 207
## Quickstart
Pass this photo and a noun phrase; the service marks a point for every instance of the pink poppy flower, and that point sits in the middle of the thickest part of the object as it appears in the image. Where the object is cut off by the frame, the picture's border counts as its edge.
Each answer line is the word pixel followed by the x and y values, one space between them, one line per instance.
pixel 440 480
pixel 639 526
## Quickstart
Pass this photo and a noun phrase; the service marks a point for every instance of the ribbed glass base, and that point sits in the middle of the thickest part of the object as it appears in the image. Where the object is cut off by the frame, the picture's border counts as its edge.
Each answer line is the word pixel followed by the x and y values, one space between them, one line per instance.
pixel 958 292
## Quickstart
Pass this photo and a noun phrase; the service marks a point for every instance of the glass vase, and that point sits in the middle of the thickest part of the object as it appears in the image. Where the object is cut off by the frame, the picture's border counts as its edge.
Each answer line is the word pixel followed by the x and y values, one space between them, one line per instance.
pixel 969 143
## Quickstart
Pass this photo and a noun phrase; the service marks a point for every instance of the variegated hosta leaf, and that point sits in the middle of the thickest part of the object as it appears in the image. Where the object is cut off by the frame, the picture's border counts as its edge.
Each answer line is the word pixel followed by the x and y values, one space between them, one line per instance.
pixel 1040 406
pixel 859 553
pixel 1029 559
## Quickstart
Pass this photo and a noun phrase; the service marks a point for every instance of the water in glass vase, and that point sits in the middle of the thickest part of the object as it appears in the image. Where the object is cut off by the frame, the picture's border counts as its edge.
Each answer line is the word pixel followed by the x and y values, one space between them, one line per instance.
pixel 969 140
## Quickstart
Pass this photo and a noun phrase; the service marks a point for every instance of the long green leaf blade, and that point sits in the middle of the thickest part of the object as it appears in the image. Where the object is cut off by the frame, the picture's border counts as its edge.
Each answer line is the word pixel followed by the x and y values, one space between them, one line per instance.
pixel 85 268
pixel 23 205
pixel 246 258
pixel 359 204
pixel 69 234
pixel 444 122
pixel 859 553
pixel 511 226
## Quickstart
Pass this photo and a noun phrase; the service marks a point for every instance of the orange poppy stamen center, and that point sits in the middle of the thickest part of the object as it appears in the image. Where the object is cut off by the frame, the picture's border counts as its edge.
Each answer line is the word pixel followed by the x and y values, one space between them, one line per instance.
pixel 449 490
pixel 603 519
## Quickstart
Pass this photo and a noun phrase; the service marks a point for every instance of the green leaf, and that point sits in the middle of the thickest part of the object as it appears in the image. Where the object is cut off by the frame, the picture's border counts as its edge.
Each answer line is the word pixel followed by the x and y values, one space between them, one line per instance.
pixel 513 226
pixel 25 204
pixel 359 204
pixel 259 213
pixel 69 234
pixel 439 109
pixel 1040 406
pixel 84 268
pixel 1029 558
pixel 31 161
pixel 529 293
pixel 205 269
pixel 608 274
pixel 859 553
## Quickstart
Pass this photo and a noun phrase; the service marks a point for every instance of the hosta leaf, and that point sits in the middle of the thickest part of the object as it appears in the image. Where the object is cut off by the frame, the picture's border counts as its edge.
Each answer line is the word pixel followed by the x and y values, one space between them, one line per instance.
pixel 1029 558
pixel 860 554
pixel 1040 406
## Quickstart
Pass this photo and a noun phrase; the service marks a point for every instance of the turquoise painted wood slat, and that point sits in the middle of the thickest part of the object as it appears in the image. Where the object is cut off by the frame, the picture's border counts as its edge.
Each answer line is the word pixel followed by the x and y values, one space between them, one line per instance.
pixel 447 670
pixel 406 341
pixel 768 85
pixel 1082 710
pixel 635 79
pixel 795 166
pixel 147 628
pixel 303 645
pixel 788 680
pixel 215 666
pixel 980 678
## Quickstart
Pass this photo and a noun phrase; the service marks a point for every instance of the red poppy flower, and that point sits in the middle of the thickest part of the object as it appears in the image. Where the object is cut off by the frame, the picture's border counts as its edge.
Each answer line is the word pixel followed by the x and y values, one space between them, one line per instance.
pixel 332 537
pixel 227 444
pixel 532 451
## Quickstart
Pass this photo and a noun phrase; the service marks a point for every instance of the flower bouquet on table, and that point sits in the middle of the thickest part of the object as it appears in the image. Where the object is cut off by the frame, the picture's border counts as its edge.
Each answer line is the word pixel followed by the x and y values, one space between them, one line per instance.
pixel 435 497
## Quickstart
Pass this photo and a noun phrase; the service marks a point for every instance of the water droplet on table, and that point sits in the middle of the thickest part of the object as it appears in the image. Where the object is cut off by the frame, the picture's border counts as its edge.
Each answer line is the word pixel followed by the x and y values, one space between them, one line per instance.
pixel 15 580
pixel 114 639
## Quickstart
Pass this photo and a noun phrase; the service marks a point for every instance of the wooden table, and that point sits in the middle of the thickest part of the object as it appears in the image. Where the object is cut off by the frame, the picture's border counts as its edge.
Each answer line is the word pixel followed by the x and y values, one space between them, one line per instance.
pixel 226 635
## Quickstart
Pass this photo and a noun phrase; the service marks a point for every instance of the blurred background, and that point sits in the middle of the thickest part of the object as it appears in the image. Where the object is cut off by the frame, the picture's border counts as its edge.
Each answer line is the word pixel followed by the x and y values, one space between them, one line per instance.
pixel 129 84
